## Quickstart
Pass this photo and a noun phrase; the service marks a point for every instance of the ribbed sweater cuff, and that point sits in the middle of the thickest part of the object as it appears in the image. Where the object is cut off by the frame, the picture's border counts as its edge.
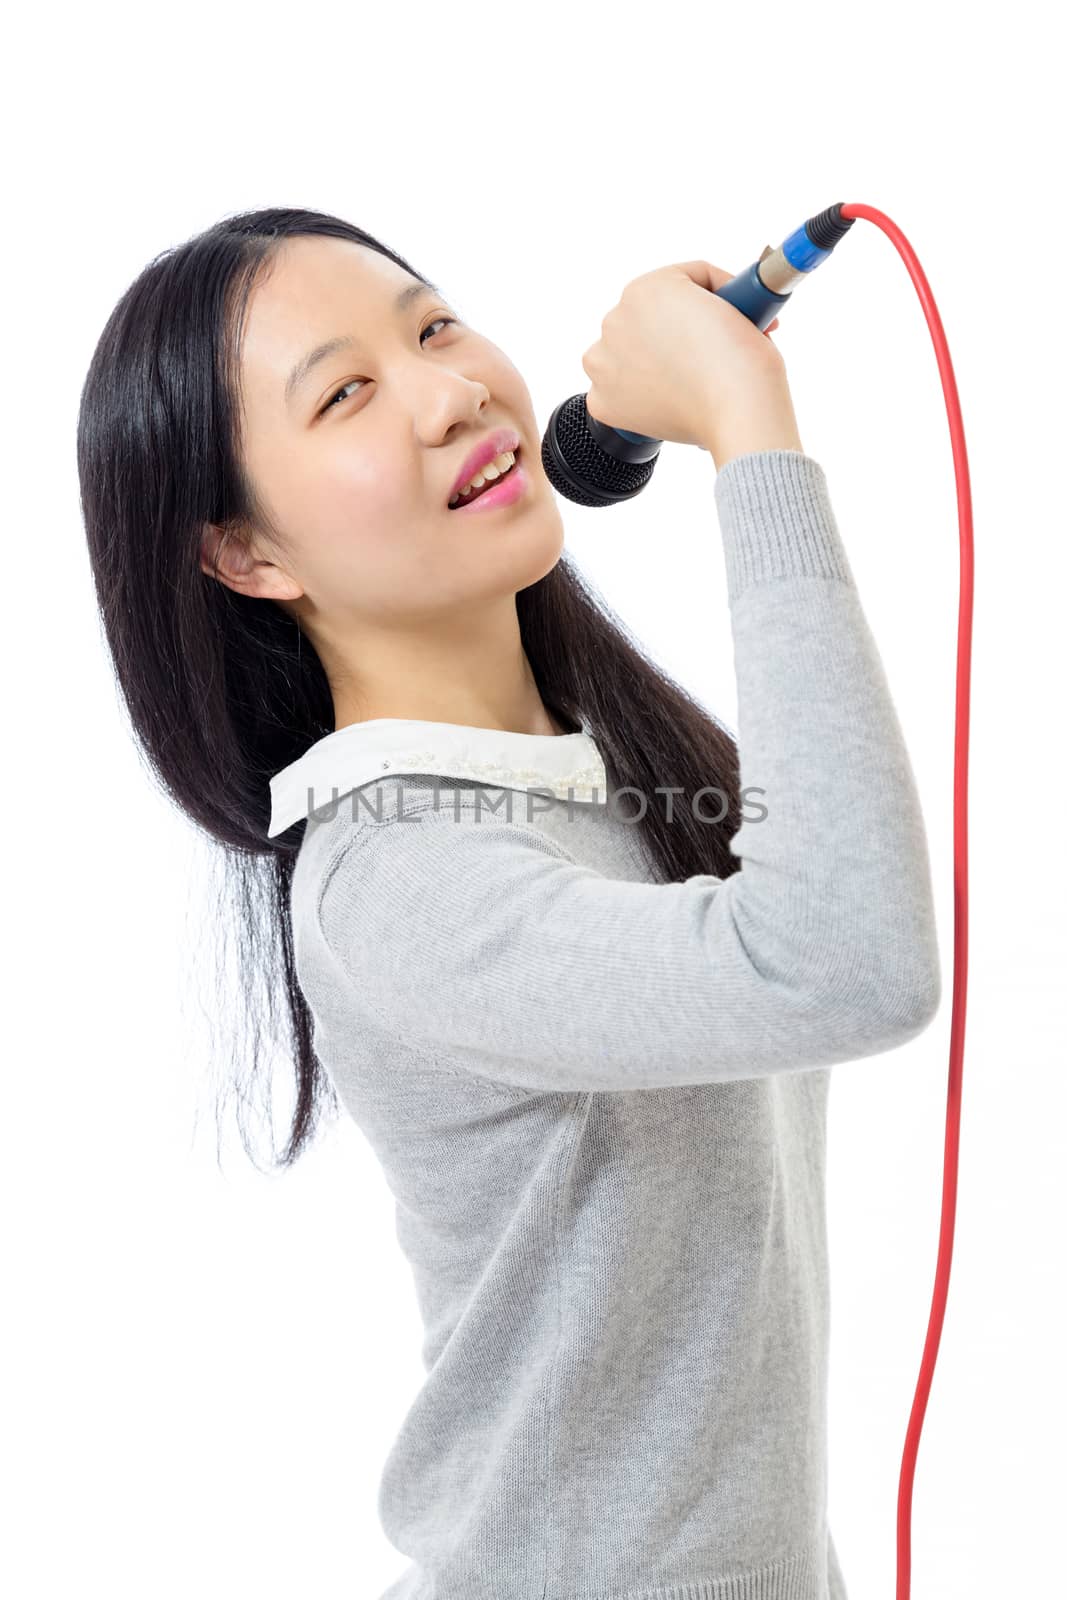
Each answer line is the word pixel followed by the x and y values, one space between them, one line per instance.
pixel 777 521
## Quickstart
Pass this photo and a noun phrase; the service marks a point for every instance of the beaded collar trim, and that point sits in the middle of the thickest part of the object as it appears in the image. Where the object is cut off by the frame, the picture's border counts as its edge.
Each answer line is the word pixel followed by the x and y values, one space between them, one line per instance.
pixel 569 765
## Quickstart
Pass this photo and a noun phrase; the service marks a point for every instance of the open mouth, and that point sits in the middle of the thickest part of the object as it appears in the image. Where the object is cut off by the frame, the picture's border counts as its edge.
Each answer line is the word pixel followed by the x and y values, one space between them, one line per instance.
pixel 490 483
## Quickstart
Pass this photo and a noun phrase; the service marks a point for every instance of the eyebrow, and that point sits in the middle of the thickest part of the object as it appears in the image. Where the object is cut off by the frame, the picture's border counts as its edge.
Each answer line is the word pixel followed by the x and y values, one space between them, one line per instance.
pixel 411 292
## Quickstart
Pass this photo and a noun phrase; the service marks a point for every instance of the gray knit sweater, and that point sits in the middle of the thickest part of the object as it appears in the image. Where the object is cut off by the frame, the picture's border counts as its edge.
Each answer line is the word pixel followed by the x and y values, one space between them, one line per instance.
pixel 600 1099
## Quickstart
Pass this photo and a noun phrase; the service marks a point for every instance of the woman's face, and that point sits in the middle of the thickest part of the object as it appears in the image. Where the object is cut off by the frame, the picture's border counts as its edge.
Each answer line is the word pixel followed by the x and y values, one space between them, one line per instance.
pixel 355 464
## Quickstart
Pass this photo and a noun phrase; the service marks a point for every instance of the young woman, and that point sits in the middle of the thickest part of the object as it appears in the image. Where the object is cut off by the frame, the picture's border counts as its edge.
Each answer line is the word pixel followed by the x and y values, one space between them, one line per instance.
pixel 590 1041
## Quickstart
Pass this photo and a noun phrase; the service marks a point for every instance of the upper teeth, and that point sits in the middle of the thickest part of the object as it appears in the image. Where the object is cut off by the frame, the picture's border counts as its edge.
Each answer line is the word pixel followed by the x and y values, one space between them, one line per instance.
pixel 493 469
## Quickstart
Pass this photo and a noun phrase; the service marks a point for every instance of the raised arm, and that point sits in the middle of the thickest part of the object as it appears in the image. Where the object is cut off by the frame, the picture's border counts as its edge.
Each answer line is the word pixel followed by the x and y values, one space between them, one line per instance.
pixel 486 944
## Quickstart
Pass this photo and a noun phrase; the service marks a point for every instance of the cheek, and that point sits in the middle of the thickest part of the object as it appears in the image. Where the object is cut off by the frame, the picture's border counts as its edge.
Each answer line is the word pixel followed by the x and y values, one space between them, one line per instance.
pixel 348 502
pixel 376 544
pixel 365 496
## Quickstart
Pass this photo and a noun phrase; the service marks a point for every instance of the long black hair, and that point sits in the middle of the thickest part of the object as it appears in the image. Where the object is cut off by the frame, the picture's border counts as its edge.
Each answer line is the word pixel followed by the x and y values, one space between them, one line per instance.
pixel 223 690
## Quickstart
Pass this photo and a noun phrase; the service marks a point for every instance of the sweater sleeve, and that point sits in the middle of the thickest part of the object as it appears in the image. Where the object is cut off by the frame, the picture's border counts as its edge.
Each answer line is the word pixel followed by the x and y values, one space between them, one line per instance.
pixel 485 944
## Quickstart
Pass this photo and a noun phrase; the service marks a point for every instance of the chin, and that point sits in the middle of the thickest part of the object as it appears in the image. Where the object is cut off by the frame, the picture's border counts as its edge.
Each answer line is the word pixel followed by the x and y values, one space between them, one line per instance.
pixel 540 552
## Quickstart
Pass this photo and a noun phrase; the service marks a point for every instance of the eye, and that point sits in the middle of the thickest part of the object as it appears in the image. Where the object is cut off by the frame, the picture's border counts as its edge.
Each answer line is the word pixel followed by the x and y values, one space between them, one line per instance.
pixel 331 402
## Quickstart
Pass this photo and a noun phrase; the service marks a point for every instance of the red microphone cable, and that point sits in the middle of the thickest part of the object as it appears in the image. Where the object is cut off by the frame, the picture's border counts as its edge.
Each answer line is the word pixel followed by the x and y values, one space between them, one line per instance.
pixel 959 973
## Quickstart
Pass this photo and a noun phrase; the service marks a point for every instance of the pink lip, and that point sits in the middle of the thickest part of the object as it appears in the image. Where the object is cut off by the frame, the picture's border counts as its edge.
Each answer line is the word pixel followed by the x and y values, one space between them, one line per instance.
pixel 504 493
pixel 490 447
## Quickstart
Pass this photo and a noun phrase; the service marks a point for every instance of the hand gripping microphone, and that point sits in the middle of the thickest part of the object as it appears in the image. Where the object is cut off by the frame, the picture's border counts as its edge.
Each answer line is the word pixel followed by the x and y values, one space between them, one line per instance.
pixel 595 465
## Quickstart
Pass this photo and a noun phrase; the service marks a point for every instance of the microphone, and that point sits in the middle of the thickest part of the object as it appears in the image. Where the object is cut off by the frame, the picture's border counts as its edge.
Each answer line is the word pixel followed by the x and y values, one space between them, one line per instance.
pixel 594 465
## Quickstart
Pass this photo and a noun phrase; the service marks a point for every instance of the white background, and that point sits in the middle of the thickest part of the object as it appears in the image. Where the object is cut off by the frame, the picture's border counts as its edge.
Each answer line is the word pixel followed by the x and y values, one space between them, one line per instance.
pixel 204 1371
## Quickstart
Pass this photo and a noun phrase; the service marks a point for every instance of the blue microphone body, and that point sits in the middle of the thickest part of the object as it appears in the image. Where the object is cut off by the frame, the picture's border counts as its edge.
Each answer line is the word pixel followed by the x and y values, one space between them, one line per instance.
pixel 594 464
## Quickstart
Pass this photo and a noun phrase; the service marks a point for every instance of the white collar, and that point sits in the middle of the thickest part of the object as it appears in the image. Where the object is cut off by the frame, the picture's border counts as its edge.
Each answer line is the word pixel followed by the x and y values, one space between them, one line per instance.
pixel 567 764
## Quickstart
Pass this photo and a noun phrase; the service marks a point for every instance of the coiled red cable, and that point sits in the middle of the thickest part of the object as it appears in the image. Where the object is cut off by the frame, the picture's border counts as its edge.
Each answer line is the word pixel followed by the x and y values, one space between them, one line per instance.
pixel 959 972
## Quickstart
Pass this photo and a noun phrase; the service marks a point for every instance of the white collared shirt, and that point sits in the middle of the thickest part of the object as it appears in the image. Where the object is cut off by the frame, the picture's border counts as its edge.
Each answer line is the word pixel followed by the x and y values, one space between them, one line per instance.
pixel 569 765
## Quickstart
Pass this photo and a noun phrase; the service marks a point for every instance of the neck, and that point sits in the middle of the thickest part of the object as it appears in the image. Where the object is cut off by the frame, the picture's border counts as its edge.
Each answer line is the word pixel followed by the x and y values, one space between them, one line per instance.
pixel 475 675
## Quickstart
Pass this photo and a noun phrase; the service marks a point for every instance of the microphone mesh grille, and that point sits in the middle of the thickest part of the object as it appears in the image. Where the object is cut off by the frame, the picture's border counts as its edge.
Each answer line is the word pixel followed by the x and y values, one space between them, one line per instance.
pixel 588 461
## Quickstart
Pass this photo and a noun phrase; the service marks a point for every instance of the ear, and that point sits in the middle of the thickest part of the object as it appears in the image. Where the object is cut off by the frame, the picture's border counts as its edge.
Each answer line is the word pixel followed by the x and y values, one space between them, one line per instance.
pixel 218 545
pixel 240 569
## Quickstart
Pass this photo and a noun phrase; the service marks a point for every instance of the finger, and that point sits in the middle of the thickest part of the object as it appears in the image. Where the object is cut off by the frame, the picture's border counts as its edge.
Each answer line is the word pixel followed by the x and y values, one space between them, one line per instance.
pixel 706 273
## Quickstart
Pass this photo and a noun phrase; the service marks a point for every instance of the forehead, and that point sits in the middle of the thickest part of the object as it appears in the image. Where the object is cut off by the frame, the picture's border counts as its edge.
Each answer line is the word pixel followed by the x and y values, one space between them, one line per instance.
pixel 314 289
